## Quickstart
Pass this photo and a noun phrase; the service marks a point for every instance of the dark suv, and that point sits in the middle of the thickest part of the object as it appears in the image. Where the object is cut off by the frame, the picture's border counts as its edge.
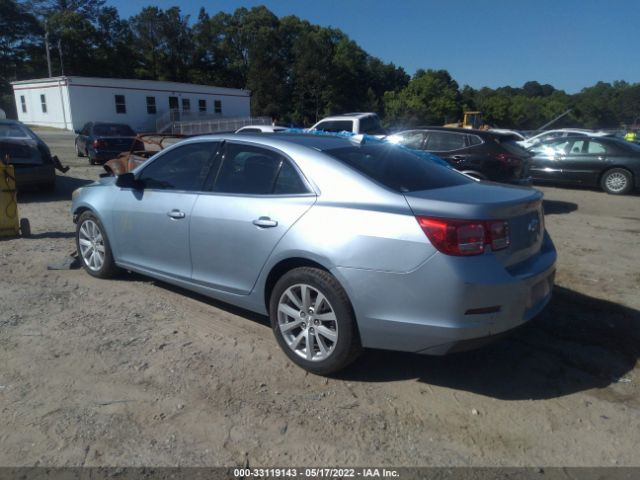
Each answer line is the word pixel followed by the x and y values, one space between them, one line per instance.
pixel 478 153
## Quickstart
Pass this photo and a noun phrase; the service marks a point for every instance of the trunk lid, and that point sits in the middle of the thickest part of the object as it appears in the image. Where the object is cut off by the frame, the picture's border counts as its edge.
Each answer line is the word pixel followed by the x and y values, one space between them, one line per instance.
pixel 521 207
pixel 118 144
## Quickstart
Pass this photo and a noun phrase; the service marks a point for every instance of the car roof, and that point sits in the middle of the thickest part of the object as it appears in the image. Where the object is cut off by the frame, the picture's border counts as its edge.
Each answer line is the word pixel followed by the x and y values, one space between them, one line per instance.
pixel 280 139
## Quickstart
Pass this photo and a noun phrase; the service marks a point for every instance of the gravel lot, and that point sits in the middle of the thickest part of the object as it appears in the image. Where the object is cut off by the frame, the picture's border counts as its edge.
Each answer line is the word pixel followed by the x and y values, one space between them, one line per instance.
pixel 134 372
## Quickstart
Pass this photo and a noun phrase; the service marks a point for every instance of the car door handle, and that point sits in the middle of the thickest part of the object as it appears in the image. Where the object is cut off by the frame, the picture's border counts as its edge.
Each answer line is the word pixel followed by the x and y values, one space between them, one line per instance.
pixel 457 158
pixel 265 222
pixel 176 214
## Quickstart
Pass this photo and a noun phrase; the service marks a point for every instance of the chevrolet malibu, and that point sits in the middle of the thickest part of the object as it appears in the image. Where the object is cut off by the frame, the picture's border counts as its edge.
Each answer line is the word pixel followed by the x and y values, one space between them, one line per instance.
pixel 344 243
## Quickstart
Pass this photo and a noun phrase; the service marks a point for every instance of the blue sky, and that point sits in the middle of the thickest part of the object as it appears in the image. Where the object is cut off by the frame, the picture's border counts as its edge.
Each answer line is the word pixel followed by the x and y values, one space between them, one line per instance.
pixel 570 44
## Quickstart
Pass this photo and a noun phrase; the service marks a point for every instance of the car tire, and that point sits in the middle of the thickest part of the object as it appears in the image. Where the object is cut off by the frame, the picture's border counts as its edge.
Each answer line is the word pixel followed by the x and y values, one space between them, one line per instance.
pixel 617 181
pixel 332 334
pixel 78 152
pixel 91 160
pixel 96 257
pixel 25 228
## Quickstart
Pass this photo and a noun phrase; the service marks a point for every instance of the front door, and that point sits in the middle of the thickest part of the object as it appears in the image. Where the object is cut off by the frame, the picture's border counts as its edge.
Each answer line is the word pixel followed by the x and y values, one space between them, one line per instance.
pixel 152 224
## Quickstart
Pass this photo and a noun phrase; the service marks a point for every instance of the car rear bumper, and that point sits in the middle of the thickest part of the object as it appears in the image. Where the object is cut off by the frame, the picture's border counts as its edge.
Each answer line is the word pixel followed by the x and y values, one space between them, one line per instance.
pixel 103 155
pixel 449 303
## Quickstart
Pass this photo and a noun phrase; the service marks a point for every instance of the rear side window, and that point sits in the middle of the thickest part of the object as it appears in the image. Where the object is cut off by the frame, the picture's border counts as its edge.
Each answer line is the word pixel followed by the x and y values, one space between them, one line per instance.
pixel 473 140
pixel 596 147
pixel 398 169
pixel 335 126
pixel 257 171
pixel 182 168
pixel 413 139
pixel 444 142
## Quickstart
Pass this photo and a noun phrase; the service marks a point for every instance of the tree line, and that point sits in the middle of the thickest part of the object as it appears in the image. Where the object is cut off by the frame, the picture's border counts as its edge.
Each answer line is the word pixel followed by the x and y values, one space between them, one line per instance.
pixel 298 72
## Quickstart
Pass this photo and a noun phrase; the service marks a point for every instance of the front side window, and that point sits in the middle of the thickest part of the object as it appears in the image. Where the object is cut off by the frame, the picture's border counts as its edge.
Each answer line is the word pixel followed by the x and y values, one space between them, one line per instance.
pixel 23 104
pixel 186 104
pixel 151 105
pixel 335 126
pixel 413 139
pixel 257 171
pixel 182 168
pixel 577 147
pixel 444 142
pixel 121 106
pixel 370 124
pixel 202 105
pixel 43 102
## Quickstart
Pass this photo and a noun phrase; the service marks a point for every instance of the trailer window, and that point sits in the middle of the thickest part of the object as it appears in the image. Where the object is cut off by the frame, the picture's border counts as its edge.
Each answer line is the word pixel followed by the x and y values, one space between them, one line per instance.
pixel 151 105
pixel 202 105
pixel 121 107
pixel 217 105
pixel 43 102
pixel 23 103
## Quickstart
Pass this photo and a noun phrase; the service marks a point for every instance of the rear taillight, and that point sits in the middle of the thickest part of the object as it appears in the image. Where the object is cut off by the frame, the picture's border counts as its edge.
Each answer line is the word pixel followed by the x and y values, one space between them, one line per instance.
pixel 99 144
pixel 465 237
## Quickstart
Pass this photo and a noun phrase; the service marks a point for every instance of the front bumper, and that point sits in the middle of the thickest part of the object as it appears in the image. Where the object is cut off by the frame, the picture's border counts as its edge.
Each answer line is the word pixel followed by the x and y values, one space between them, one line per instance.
pixel 448 303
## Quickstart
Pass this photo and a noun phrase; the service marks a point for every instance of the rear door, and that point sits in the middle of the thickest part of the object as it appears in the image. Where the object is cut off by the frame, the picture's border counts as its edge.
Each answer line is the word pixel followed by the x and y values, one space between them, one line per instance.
pixel 152 225
pixel 255 197
pixel 548 160
pixel 449 146
pixel 585 159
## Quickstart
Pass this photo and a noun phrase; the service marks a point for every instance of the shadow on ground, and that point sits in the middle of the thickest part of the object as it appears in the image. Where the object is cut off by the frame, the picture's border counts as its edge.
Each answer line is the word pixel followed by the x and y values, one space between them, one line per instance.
pixel 65 185
pixel 576 344
pixel 556 207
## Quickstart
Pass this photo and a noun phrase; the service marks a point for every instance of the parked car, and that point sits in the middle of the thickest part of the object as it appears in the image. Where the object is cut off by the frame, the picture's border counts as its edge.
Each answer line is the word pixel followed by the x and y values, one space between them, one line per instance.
pixel 519 136
pixel 479 153
pixel 261 129
pixel 560 133
pixel 606 162
pixel 357 122
pixel 343 243
pixel 101 141
pixel 30 156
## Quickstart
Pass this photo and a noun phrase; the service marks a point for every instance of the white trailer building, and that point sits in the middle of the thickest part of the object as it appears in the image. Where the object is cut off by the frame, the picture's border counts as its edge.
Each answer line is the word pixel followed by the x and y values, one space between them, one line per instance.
pixel 69 102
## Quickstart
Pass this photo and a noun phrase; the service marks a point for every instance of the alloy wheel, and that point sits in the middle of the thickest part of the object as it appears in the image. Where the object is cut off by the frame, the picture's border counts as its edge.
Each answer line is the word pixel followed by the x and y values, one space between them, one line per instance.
pixel 307 322
pixel 91 243
pixel 616 182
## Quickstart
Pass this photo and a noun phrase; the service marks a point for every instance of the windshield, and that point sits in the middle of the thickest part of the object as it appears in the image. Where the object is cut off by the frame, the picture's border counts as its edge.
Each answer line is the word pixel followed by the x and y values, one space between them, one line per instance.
pixel 398 168
pixel 113 130
pixel 12 131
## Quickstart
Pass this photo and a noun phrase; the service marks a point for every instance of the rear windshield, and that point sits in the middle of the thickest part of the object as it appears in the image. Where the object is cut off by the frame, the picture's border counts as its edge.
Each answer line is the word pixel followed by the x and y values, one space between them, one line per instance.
pixel 18 153
pixel 113 130
pixel 398 168
pixel 511 145
pixel 12 131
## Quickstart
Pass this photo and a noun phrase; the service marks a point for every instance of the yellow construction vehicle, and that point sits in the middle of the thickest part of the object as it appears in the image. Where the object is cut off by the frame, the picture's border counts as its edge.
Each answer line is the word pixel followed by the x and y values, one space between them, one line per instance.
pixel 10 224
pixel 470 120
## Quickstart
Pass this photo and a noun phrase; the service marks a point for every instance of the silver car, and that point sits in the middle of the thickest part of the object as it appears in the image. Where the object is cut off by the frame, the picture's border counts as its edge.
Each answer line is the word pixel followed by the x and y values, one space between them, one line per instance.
pixel 345 243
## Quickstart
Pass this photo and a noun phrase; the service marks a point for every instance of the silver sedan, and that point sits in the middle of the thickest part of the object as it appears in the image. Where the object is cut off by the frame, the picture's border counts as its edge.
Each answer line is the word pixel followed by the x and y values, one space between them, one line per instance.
pixel 344 242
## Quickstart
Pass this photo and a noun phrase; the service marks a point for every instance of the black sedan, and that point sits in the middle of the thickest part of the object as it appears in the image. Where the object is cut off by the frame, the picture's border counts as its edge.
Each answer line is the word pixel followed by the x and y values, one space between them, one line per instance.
pixel 30 156
pixel 101 141
pixel 479 153
pixel 605 162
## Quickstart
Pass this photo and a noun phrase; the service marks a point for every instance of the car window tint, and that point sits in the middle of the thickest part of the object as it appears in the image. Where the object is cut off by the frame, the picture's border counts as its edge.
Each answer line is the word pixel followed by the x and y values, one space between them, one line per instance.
pixel 411 139
pixel 369 124
pixel 251 170
pixel 113 130
pixel 397 168
pixel 577 147
pixel 12 131
pixel 289 181
pixel 335 126
pixel 596 147
pixel 444 142
pixel 473 140
pixel 182 168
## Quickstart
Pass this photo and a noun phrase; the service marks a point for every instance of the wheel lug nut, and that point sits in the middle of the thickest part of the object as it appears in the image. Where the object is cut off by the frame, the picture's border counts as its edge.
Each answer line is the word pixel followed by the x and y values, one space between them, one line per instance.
pixel 316 322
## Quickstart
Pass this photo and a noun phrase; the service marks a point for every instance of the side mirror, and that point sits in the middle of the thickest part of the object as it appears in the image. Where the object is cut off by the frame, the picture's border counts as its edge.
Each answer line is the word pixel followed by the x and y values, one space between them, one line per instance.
pixel 129 180
pixel 77 132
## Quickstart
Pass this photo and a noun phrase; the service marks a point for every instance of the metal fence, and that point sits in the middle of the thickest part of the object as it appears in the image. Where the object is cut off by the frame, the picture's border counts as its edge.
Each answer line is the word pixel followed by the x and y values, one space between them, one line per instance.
pixel 215 125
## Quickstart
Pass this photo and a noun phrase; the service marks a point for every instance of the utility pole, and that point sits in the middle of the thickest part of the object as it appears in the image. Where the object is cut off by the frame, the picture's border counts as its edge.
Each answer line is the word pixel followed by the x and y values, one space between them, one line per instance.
pixel 60 53
pixel 46 45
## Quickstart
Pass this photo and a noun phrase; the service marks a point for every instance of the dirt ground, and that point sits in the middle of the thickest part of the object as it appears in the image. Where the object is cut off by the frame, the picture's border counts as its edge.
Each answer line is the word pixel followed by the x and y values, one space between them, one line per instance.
pixel 133 372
